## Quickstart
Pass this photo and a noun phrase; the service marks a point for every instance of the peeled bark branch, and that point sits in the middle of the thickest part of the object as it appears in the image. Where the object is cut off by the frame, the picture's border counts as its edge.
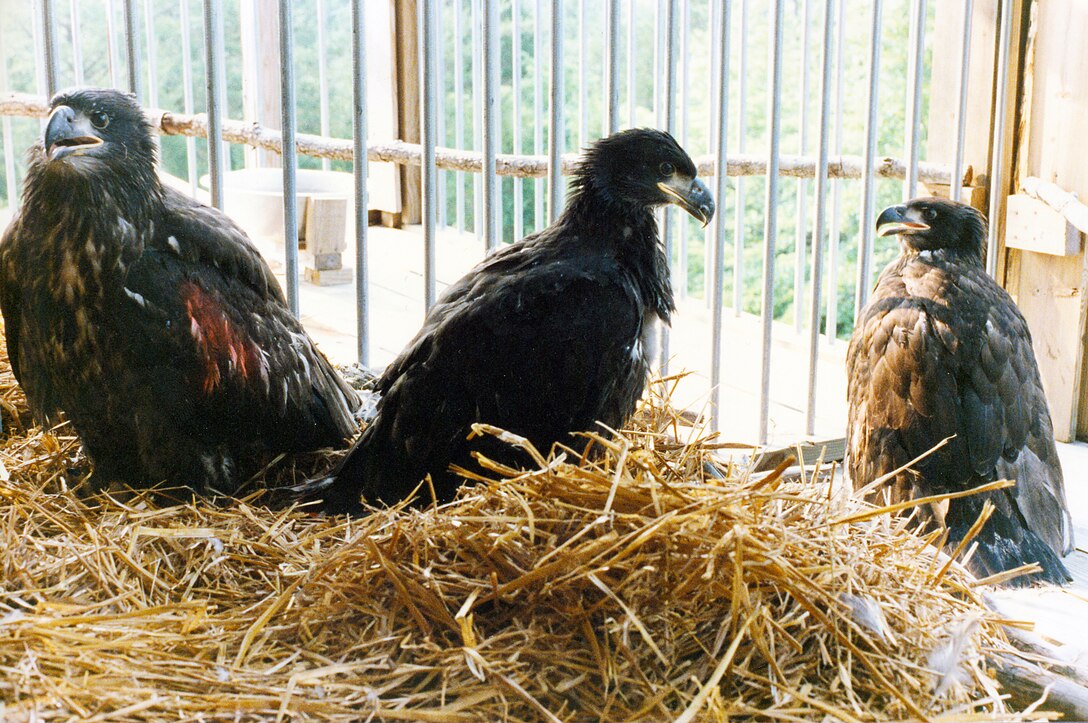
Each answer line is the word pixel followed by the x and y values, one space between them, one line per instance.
pixel 449 159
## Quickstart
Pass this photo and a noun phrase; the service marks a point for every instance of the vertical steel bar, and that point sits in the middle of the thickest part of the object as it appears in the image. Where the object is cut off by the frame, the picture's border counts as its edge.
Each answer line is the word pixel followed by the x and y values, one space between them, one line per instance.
pixel 820 221
pixel 836 185
pixel 49 46
pixel 997 143
pixel 632 89
pixel 187 91
pixel 770 224
pixel 710 232
pixel 152 51
pixel 659 60
pixel 961 109
pixel 429 110
pixel 613 64
pixel 477 119
pixel 214 83
pixel 492 198
pixel 538 110
pixel 8 145
pixel 742 132
pixel 717 275
pixel 914 83
pixel 322 78
pixel 111 42
pixel 865 242
pixel 681 101
pixel 800 244
pixel 668 98
pixel 359 170
pixel 459 107
pixel 41 77
pixel 290 157
pixel 556 132
pixel 440 127
pixel 77 45
pixel 519 188
pixel 132 43
pixel 583 76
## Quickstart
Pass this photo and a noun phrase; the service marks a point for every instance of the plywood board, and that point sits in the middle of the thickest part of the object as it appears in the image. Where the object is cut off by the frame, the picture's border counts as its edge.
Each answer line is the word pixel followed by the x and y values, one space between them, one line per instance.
pixel 1051 296
pixel 1032 225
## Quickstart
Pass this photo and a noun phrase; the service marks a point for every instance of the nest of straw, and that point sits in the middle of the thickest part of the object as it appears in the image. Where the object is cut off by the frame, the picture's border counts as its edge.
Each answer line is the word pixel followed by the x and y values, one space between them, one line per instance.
pixel 625 586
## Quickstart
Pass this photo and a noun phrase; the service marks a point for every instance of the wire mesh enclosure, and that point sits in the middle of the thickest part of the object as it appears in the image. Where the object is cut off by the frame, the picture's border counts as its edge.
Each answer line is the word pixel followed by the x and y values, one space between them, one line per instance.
pixel 810 117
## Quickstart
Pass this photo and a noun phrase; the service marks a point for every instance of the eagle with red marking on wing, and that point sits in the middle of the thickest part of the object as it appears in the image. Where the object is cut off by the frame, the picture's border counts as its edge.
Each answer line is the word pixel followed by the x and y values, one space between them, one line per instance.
pixel 150 319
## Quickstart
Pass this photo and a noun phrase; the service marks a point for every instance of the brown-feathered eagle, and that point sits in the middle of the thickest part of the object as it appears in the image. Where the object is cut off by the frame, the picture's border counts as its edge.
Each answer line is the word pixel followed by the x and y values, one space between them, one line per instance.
pixel 149 319
pixel 941 351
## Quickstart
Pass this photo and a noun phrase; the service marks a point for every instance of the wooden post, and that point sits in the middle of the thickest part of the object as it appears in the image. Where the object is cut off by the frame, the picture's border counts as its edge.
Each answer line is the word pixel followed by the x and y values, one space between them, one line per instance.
pixel 260 31
pixel 408 103
pixel 1053 290
pixel 944 104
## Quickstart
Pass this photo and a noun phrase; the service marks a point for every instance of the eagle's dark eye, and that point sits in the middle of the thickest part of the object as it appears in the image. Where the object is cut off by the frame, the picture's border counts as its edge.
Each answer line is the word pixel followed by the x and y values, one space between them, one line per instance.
pixel 99 119
pixel 666 169
pixel 929 214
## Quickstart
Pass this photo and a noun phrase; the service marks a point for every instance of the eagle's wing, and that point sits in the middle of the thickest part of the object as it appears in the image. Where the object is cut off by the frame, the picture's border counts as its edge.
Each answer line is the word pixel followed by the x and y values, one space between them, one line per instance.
pixel 218 335
pixel 33 378
pixel 212 239
pixel 1005 408
pixel 903 395
pixel 556 344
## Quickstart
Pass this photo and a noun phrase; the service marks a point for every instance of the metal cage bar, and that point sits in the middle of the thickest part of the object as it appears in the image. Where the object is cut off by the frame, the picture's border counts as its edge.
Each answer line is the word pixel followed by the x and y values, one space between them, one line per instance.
pixel 717 274
pixel 77 45
pixel 359 172
pixel 214 82
pixel 556 132
pixel 49 46
pixel 997 141
pixel 492 198
pixel 961 109
pixel 738 194
pixel 820 220
pixel 914 95
pixel 429 112
pixel 770 224
pixel 865 242
pixel 132 54
pixel 290 154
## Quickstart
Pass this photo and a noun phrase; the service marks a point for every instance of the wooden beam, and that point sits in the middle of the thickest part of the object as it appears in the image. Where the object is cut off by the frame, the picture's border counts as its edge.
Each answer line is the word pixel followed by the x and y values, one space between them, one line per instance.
pixel 407 92
pixel 1052 291
pixel 260 32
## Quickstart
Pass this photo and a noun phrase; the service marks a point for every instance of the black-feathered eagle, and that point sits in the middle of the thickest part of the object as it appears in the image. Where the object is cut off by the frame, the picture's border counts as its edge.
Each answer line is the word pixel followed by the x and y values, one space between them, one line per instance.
pixel 149 319
pixel 941 351
pixel 545 337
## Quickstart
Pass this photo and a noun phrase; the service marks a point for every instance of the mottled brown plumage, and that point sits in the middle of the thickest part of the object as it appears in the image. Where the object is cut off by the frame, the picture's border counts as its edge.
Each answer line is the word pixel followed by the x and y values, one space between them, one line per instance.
pixel 942 351
pixel 150 319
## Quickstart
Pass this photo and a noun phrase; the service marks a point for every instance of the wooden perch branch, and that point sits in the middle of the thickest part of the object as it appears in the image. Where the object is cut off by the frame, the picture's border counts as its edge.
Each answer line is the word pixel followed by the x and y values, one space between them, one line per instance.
pixel 450 159
pixel 1062 201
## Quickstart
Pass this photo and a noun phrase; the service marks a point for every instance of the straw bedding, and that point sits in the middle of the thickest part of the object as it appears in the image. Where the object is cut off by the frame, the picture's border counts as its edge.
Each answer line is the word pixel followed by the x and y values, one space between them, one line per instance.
pixel 628 586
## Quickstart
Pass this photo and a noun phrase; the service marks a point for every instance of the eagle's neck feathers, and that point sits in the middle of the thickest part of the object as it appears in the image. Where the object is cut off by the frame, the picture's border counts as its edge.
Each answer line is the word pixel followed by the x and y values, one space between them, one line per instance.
pixel 628 232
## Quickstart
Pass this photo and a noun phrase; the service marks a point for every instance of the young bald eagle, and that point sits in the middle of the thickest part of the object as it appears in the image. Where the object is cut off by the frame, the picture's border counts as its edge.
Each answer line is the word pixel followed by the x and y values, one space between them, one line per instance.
pixel 942 351
pixel 150 319
pixel 543 338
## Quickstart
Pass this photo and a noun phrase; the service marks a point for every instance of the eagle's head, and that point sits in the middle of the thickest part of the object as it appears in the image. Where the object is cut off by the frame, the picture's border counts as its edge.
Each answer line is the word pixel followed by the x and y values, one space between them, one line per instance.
pixel 643 168
pixel 928 224
pixel 97 147
pixel 91 130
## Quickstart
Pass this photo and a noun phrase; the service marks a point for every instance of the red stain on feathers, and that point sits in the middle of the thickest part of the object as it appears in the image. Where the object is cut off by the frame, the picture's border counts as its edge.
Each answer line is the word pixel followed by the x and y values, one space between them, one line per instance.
pixel 224 349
